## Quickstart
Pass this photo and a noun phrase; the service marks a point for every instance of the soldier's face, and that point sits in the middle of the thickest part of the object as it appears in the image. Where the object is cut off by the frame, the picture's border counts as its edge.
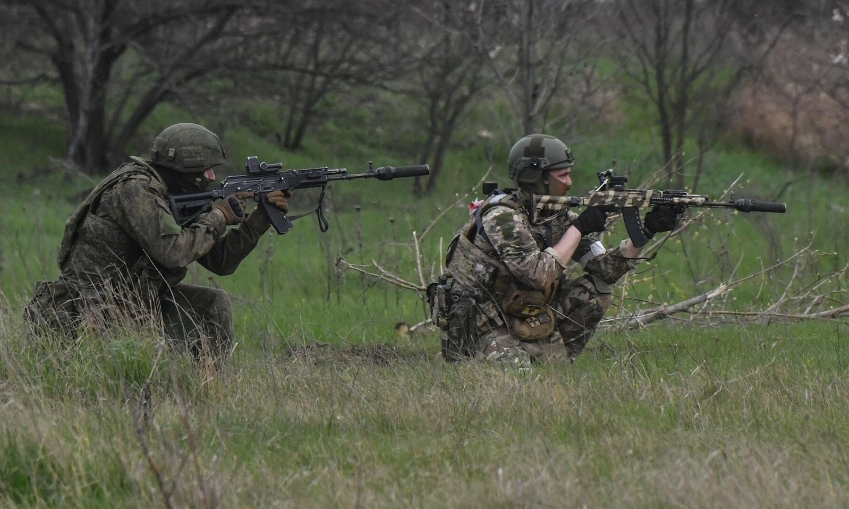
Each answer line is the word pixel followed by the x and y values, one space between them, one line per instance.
pixel 560 181
pixel 202 181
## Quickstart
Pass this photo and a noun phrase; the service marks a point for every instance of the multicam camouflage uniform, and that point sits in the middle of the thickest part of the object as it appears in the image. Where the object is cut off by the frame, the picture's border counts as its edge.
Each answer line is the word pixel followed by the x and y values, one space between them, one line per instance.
pixel 123 256
pixel 500 254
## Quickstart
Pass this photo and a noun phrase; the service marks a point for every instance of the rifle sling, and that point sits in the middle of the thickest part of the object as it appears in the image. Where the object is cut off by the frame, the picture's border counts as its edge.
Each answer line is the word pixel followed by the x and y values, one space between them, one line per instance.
pixel 322 221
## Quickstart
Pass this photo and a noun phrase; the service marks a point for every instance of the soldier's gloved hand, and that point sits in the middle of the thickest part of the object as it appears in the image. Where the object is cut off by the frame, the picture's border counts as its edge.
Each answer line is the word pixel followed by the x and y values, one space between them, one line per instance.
pixel 231 208
pixel 660 219
pixel 243 196
pixel 278 199
pixel 591 220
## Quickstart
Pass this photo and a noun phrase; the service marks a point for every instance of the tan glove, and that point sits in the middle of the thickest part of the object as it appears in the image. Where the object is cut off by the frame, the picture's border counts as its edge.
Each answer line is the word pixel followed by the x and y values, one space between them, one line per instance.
pixel 278 199
pixel 242 196
pixel 233 209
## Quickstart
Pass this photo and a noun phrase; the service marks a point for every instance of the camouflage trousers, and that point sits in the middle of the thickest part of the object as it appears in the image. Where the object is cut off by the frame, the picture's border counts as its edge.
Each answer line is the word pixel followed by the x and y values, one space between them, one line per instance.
pixel 201 318
pixel 579 308
pixel 195 317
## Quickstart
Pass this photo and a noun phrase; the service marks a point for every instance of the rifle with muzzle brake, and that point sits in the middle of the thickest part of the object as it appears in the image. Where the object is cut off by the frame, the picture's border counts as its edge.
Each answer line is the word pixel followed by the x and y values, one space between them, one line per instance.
pixel 263 178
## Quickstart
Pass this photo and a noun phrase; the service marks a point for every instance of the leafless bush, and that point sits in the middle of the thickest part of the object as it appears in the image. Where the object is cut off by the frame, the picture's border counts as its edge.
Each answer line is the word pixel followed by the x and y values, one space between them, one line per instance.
pixel 799 108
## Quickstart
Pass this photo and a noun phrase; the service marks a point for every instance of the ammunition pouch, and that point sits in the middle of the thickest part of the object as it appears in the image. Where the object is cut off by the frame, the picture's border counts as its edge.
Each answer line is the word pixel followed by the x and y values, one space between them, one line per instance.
pixel 439 302
pixel 461 337
pixel 454 310
pixel 532 328
pixel 528 315
pixel 523 302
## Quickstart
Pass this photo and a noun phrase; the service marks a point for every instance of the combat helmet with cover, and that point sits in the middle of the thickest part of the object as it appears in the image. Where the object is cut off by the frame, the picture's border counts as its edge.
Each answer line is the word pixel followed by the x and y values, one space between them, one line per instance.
pixel 532 157
pixel 187 148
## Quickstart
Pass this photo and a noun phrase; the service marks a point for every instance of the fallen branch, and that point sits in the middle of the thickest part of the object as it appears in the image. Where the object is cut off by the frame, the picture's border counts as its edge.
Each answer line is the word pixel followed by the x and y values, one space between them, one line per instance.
pixel 828 314
pixel 643 318
pixel 381 275
pixel 426 323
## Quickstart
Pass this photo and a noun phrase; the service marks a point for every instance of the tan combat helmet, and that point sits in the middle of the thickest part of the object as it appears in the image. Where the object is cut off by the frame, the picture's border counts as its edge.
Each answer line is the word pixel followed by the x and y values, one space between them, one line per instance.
pixel 534 155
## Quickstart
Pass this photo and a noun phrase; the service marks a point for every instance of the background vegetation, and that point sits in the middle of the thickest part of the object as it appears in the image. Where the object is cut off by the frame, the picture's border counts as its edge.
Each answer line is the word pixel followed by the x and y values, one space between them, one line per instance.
pixel 718 378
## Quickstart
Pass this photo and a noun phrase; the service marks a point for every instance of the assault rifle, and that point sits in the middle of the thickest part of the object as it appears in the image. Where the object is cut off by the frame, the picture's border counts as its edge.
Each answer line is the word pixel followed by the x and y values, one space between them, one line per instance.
pixel 262 178
pixel 611 196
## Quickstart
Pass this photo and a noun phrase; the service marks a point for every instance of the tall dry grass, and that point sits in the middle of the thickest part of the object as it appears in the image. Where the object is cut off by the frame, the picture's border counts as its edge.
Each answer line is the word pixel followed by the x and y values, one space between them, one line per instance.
pixel 669 416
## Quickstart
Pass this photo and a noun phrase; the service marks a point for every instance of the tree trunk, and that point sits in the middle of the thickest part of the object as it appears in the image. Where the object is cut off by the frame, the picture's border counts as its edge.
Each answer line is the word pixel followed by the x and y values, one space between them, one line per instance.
pixel 448 126
pixel 433 133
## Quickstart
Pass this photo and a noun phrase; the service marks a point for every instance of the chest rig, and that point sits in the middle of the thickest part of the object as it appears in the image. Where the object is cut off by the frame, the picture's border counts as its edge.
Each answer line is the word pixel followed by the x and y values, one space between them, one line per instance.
pixel 75 222
pixel 471 259
pixel 475 264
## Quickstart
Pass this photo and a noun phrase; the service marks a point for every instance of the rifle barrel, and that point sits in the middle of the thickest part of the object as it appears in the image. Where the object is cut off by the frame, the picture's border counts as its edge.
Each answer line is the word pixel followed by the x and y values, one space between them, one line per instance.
pixel 760 206
pixel 391 172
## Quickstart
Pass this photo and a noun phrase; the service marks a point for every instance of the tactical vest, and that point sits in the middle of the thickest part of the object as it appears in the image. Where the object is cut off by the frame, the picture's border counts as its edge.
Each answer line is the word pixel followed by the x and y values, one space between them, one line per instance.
pixel 477 265
pixel 82 244
pixel 477 268
pixel 73 224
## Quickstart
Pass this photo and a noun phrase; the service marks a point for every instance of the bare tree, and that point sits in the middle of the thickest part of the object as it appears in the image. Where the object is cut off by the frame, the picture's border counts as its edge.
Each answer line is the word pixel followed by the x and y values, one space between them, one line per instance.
pixel 814 58
pixel 686 57
pixel 303 56
pixel 821 76
pixel 539 51
pixel 449 74
pixel 798 107
pixel 115 60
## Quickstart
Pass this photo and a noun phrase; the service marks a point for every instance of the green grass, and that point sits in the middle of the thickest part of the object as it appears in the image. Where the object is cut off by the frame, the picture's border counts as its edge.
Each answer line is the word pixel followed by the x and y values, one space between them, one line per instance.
pixel 734 413
pixel 716 417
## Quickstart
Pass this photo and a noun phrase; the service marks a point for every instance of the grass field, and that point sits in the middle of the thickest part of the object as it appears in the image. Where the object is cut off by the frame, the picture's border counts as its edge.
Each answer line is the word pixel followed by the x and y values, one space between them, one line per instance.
pixel 670 417
pixel 322 405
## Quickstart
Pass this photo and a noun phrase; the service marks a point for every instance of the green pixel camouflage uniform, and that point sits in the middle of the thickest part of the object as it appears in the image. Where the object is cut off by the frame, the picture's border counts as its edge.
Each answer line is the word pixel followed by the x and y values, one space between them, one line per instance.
pixel 500 258
pixel 123 256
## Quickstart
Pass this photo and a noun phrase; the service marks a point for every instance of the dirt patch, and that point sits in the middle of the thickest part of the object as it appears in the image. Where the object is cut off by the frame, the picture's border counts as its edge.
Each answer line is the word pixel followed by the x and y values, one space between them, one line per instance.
pixel 383 354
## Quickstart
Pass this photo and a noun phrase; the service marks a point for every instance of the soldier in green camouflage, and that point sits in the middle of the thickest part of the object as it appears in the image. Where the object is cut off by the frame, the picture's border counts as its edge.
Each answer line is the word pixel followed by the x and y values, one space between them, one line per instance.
pixel 504 289
pixel 123 256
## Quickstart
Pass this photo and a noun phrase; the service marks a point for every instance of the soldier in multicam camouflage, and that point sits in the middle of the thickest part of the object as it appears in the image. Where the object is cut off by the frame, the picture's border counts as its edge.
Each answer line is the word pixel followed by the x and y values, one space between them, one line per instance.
pixel 505 272
pixel 123 256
